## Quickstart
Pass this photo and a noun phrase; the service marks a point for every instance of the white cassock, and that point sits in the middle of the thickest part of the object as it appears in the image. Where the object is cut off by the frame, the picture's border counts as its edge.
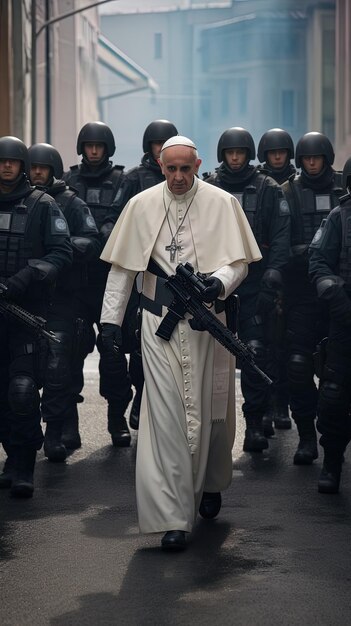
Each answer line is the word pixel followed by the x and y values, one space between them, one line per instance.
pixel 187 420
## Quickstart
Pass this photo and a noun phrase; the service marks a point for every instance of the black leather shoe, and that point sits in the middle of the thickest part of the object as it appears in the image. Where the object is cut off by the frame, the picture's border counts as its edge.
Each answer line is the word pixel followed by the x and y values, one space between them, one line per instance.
pixel 210 504
pixel 174 540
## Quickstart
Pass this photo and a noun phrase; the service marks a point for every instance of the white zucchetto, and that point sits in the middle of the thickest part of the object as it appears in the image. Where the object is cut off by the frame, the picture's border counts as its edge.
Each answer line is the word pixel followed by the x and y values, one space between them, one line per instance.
pixel 178 140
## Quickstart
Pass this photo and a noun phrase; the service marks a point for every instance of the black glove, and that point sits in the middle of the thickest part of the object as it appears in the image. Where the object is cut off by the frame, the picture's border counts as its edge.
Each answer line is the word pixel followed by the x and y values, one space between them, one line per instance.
pixel 266 301
pixel 83 248
pixel 111 336
pixel 340 308
pixel 106 230
pixel 213 289
pixel 196 324
pixel 18 284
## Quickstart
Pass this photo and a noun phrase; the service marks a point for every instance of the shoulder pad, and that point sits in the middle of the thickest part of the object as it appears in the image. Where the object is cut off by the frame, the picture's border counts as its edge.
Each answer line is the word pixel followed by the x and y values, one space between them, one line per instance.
pixel 118 167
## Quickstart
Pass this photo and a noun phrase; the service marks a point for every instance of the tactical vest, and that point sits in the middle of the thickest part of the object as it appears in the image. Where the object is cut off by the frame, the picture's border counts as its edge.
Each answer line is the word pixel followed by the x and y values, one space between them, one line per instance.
pixel 345 254
pixel 309 209
pixel 99 198
pixel 251 201
pixel 147 178
pixel 64 199
pixel 17 243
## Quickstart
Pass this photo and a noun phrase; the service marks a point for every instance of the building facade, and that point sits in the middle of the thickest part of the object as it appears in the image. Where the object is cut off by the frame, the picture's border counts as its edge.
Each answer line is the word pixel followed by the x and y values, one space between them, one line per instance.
pixel 257 64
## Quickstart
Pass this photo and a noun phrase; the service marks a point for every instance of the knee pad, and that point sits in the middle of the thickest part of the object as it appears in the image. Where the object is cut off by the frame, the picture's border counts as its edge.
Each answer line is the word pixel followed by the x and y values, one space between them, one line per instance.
pixel 23 395
pixel 300 370
pixel 333 400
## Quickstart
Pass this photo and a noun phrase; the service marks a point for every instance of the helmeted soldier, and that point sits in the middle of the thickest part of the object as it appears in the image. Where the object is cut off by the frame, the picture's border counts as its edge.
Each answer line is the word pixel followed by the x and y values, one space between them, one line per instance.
pixel 66 314
pixel 268 214
pixel 97 181
pixel 145 175
pixel 330 271
pixel 311 196
pixel 35 248
pixel 275 151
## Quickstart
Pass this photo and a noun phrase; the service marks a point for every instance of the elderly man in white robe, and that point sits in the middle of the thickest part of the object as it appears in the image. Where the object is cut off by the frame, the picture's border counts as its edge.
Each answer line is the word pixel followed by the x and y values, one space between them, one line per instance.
pixel 187 422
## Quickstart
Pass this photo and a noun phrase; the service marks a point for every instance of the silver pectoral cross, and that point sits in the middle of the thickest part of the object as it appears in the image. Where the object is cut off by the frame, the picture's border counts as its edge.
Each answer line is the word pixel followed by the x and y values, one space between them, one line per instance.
pixel 172 250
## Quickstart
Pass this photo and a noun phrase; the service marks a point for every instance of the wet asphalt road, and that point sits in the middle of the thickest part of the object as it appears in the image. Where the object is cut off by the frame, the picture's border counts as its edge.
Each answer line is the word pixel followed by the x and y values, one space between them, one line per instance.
pixel 278 554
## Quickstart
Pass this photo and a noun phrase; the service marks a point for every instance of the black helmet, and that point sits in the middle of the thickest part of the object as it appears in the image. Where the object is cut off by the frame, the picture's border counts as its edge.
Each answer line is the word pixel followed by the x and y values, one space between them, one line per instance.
pixel 14 148
pixel 236 137
pixel 314 144
pixel 159 130
pixel 45 154
pixel 275 139
pixel 346 174
pixel 96 132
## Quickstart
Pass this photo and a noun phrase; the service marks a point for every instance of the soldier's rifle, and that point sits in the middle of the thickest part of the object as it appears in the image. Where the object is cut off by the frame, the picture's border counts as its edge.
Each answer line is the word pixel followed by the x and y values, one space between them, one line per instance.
pixel 36 323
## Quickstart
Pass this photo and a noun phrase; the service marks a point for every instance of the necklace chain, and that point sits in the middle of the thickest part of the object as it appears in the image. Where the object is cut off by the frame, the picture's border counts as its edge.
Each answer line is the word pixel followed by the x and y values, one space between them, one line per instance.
pixel 172 248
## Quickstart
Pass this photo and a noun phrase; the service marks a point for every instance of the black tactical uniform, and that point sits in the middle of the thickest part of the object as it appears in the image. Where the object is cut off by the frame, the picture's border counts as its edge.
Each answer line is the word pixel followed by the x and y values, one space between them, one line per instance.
pixel 98 186
pixel 146 175
pixel 268 214
pixel 35 248
pixel 66 313
pixel 310 197
pixel 330 271
pixel 271 140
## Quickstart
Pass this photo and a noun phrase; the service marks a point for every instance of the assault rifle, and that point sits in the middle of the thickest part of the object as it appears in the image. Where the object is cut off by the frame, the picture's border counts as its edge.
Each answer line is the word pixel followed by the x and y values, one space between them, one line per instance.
pixel 187 288
pixel 28 319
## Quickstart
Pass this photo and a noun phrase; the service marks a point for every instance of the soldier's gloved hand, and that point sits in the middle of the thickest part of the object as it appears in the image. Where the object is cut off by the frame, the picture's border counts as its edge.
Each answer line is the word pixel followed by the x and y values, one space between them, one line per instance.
pixel 266 301
pixel 18 284
pixel 196 324
pixel 111 336
pixel 340 308
pixel 106 230
pixel 213 289
pixel 83 248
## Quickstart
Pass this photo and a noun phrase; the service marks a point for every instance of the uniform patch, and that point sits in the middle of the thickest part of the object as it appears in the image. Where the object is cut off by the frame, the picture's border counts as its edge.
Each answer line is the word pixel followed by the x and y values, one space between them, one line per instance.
pixel 90 221
pixel 318 235
pixel 60 225
pixel 284 207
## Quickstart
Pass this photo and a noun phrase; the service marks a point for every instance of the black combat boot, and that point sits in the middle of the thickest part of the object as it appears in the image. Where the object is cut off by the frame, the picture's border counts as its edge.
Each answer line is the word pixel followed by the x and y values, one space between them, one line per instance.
pixel 329 479
pixel 117 427
pixel 267 422
pixel 135 412
pixel 307 450
pixel 281 417
pixel 54 449
pixel 70 431
pixel 22 476
pixel 254 440
pixel 7 472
